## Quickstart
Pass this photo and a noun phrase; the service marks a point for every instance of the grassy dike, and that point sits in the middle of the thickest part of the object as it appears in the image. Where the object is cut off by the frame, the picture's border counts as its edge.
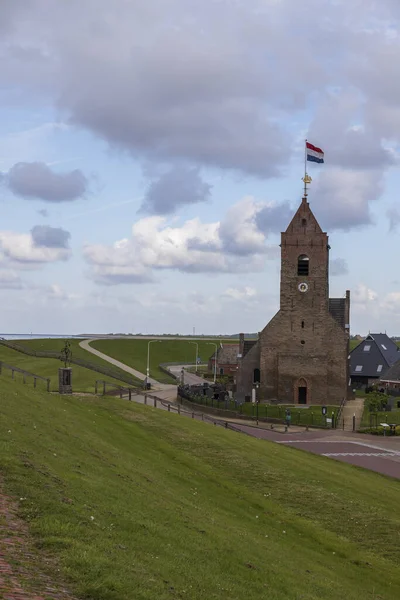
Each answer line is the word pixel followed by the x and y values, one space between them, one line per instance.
pixel 136 503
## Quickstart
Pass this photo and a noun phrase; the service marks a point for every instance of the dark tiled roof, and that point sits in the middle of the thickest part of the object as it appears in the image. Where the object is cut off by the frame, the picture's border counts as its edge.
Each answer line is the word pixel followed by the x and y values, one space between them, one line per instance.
pixel 227 355
pixel 380 353
pixel 337 308
pixel 393 374
pixel 248 344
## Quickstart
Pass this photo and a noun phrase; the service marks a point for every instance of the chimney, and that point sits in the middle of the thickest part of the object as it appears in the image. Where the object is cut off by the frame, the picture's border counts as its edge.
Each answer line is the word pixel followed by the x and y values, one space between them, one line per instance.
pixel 241 343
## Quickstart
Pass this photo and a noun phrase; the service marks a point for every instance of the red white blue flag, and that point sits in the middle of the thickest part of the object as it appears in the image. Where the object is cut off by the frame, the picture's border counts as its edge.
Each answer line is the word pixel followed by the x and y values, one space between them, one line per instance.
pixel 314 154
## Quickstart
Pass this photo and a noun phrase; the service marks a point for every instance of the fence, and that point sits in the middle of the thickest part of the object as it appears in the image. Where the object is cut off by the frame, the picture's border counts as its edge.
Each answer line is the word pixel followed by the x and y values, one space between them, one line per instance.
pixel 110 372
pixel 25 374
pixel 254 412
pixel 117 390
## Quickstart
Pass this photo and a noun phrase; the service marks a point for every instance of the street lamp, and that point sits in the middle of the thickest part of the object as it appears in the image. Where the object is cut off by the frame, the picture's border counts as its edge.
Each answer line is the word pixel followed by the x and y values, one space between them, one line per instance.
pixel 197 351
pixel 148 360
pixel 215 359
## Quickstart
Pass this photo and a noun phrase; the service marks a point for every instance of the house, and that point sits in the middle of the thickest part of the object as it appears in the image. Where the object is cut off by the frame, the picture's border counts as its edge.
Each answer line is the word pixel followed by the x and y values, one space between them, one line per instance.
pixel 301 356
pixel 391 379
pixel 372 359
pixel 227 359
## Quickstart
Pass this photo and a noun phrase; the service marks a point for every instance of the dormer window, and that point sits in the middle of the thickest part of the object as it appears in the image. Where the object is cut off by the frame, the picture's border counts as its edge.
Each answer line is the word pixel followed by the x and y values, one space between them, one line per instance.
pixel 303 265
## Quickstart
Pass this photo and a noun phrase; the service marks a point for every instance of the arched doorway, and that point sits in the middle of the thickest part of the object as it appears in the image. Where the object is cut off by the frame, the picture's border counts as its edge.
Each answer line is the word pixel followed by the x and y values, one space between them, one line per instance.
pixel 301 391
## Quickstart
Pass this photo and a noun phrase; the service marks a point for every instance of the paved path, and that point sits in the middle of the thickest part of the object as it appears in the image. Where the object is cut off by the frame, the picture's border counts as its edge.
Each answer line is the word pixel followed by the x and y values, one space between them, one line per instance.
pixel 85 344
pixel 188 378
pixel 351 408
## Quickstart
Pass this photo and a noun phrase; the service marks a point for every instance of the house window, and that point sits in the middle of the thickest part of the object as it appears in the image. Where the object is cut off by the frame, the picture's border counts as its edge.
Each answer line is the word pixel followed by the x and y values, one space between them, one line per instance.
pixel 379 369
pixel 367 348
pixel 256 376
pixel 221 371
pixel 383 346
pixel 358 369
pixel 303 265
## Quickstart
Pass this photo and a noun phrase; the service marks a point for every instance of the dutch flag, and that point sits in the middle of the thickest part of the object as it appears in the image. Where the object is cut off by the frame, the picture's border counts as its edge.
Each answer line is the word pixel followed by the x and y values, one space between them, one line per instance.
pixel 314 154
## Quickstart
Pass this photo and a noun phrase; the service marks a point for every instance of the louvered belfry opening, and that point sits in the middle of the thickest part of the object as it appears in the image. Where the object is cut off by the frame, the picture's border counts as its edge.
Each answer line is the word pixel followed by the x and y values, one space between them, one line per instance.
pixel 303 265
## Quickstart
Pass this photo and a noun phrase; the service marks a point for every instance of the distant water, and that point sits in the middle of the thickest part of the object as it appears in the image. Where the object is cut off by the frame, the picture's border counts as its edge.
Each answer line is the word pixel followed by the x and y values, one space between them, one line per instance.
pixel 38 336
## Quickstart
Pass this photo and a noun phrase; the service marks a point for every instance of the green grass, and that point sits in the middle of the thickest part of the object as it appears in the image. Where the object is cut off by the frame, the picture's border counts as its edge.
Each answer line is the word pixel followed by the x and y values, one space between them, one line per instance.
pixel 374 418
pixel 56 345
pixel 135 502
pixel 83 380
pixel 134 353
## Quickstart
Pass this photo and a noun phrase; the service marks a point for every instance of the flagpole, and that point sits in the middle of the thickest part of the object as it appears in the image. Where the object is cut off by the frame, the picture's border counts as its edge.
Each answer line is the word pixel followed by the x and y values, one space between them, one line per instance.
pixel 305 169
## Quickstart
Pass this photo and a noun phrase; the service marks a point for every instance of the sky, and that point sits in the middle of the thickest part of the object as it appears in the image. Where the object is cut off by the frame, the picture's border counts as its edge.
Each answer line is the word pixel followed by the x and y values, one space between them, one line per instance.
pixel 151 154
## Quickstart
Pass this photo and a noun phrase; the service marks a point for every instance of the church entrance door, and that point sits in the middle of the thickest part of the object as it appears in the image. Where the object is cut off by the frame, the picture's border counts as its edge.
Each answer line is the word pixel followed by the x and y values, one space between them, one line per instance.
pixel 302 395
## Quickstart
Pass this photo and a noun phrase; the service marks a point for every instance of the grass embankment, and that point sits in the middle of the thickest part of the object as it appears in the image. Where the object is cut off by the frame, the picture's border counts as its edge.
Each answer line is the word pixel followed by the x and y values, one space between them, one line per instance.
pixel 134 502
pixel 83 380
pixel 56 345
pixel 134 353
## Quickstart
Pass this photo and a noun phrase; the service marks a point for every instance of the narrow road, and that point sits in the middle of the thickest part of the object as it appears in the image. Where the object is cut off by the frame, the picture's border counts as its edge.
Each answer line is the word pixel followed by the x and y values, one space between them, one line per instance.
pixel 85 344
pixel 188 378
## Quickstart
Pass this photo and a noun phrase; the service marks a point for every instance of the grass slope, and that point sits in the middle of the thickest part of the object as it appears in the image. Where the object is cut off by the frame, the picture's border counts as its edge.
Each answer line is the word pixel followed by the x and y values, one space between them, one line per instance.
pixel 135 502
pixel 83 380
pixel 56 345
pixel 134 353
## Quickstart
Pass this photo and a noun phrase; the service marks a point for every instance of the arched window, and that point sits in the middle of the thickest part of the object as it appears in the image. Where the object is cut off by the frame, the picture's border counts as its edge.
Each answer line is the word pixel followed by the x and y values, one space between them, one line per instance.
pixel 303 265
pixel 256 376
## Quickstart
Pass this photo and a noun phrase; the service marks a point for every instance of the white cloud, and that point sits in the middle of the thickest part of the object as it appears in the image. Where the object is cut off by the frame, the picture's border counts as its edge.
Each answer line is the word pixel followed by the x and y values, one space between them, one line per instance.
pixel 20 248
pixel 232 245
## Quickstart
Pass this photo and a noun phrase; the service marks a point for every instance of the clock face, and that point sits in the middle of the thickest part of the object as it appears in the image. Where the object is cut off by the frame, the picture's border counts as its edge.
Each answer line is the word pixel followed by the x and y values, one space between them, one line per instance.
pixel 303 287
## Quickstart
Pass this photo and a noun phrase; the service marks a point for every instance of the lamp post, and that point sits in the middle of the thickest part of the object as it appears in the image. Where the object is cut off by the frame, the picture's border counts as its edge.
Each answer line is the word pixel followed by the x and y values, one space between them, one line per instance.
pixel 197 351
pixel 256 386
pixel 148 360
pixel 215 359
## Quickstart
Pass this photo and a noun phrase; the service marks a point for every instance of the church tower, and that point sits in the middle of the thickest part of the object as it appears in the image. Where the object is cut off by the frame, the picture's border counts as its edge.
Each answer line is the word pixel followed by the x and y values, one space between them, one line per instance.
pixel 301 356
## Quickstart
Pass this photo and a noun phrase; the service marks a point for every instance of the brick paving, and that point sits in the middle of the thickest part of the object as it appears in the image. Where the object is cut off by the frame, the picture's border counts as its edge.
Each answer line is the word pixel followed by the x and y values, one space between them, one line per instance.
pixel 20 575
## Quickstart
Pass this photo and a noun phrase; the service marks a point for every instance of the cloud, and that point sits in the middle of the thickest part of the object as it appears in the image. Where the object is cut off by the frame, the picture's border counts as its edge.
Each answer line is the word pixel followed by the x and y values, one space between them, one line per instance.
pixel 232 245
pixel 50 237
pixel 178 187
pixel 37 180
pixel 393 214
pixel 341 198
pixel 20 248
pixel 43 212
pixel 274 217
pixel 338 266
pixel 10 280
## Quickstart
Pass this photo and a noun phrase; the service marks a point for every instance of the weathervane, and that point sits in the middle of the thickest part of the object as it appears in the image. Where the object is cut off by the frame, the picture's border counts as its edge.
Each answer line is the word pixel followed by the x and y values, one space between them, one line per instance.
pixel 307 180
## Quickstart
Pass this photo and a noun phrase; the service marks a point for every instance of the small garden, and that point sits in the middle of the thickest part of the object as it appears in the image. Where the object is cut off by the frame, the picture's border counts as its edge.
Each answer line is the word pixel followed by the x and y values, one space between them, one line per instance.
pixel 377 411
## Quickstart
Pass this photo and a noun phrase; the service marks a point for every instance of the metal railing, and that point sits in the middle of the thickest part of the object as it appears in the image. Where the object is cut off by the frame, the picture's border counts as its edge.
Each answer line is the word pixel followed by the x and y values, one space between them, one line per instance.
pixel 25 374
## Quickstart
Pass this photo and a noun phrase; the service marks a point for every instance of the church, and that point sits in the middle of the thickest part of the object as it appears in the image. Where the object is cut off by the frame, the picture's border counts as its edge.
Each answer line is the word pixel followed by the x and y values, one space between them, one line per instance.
pixel 302 355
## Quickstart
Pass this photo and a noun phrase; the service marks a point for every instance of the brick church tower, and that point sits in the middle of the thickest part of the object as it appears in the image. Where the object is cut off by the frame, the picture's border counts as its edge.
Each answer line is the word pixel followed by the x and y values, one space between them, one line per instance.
pixel 301 356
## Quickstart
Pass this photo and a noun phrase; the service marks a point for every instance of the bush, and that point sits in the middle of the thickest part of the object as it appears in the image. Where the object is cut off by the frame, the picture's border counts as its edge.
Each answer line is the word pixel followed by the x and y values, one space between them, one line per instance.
pixel 376 401
pixel 380 431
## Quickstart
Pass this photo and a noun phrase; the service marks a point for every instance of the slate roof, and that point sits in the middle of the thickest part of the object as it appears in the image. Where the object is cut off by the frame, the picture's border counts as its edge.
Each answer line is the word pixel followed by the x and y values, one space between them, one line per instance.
pixel 227 355
pixel 376 354
pixel 337 308
pixel 248 344
pixel 392 374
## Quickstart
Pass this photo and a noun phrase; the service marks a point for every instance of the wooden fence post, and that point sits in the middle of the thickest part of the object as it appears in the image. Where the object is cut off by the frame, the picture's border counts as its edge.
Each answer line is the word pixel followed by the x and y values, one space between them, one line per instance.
pixel 120 392
pixel 179 409
pixel 23 378
pixel 34 382
pixel 145 398
pixel 95 387
pixel 130 394
pixel 169 408
pixel 155 402
pixel 48 385
pixel 104 388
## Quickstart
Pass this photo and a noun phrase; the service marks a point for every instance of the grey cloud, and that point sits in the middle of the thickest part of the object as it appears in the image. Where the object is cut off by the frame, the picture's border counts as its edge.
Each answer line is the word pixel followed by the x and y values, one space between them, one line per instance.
pixel 10 281
pixel 37 180
pixel 50 237
pixel 274 219
pixel 338 266
pixel 393 214
pixel 178 187
pixel 43 212
pixel 341 198
pixel 110 279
